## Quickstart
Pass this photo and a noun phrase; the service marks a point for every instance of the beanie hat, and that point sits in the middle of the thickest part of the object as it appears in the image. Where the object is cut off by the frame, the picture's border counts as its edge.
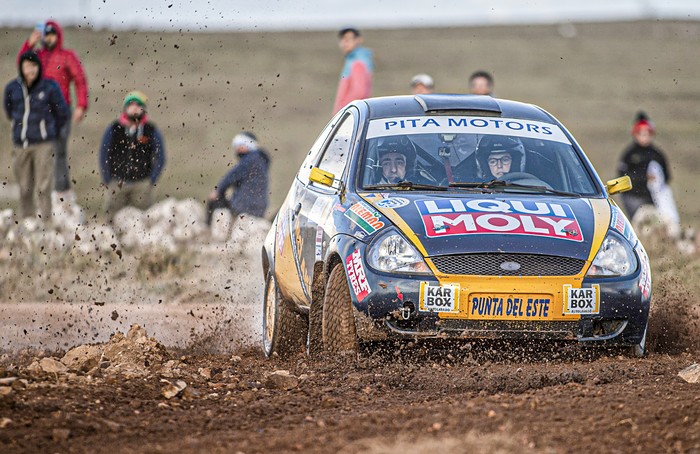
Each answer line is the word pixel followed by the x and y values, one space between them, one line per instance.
pixel 246 139
pixel 642 121
pixel 137 97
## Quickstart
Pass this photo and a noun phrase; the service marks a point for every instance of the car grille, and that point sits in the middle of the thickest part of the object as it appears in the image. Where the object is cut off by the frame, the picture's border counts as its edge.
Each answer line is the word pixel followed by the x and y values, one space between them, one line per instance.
pixel 503 265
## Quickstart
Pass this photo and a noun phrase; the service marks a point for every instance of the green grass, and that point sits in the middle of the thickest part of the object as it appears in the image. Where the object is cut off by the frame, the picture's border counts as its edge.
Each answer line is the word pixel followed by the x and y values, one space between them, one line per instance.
pixel 204 88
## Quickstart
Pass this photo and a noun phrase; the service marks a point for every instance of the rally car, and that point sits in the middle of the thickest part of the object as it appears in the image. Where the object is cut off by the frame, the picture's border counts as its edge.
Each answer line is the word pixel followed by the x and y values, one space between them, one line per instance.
pixel 451 216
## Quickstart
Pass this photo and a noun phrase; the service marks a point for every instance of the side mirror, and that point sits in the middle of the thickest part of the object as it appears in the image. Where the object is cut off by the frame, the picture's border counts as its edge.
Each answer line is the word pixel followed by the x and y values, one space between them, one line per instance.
pixel 618 185
pixel 321 177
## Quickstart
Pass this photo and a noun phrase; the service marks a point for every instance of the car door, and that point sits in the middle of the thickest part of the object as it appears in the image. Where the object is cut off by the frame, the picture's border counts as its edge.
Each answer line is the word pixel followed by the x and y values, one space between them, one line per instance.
pixel 312 209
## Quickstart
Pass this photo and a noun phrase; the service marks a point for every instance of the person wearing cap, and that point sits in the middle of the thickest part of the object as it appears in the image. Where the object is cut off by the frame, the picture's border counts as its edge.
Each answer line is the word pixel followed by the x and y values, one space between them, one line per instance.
pixel 132 157
pixel 63 66
pixel 646 166
pixel 422 84
pixel 248 179
pixel 396 156
pixel 38 111
pixel 356 77
pixel 497 156
pixel 481 83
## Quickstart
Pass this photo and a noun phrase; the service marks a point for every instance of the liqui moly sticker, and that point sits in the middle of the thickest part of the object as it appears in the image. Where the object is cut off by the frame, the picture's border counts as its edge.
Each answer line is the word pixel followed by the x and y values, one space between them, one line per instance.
pixel 365 217
pixel 582 300
pixel 439 298
pixel 357 275
pixel 446 217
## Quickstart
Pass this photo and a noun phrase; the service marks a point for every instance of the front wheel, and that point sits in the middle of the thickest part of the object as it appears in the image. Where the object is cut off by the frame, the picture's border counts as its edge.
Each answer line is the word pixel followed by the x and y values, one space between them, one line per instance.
pixel 338 324
pixel 284 329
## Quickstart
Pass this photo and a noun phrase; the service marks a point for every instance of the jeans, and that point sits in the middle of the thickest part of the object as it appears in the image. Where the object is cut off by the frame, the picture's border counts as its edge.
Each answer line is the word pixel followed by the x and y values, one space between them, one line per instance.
pixel 62 176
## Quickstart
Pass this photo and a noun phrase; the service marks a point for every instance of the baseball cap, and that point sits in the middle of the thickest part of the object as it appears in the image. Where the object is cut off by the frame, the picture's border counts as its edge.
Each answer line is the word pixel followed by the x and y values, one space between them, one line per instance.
pixel 422 79
pixel 50 28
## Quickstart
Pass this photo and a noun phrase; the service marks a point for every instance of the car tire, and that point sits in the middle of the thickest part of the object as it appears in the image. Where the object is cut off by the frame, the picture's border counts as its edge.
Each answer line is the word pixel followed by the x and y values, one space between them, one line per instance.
pixel 639 350
pixel 284 329
pixel 338 330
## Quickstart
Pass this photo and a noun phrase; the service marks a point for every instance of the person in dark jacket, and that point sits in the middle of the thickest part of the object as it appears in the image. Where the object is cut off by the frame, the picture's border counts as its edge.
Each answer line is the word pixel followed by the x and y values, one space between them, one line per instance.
pixel 38 111
pixel 63 66
pixel 132 157
pixel 249 180
pixel 636 161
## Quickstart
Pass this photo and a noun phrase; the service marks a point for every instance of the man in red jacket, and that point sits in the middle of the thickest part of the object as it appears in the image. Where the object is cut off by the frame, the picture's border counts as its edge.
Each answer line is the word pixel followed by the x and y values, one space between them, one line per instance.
pixel 63 66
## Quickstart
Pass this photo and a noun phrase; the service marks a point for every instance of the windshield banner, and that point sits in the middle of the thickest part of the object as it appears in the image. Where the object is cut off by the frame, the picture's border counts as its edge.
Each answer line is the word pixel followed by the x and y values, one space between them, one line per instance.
pixel 466 125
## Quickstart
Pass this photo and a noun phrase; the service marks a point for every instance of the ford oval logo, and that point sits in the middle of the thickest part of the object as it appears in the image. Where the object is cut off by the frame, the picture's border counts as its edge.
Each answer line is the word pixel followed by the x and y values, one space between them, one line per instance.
pixel 510 266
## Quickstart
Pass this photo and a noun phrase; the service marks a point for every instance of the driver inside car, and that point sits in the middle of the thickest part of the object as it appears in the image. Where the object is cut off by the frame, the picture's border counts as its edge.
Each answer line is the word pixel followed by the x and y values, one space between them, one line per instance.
pixel 396 155
pixel 497 156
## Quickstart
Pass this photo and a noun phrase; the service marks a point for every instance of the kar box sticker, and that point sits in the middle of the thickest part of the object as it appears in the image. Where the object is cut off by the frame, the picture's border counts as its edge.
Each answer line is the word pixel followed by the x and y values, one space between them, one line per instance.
pixel 582 300
pixel 365 217
pixel 439 298
pixel 446 217
pixel 357 275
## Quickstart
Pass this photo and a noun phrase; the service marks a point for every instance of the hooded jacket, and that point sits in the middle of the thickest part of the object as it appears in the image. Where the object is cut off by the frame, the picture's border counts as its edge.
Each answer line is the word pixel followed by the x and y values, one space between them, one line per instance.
pixel 37 112
pixel 63 66
pixel 250 182
pixel 635 163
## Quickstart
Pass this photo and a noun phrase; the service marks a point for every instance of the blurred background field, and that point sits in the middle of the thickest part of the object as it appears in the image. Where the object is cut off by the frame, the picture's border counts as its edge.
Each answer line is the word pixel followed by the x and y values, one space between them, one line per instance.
pixel 206 87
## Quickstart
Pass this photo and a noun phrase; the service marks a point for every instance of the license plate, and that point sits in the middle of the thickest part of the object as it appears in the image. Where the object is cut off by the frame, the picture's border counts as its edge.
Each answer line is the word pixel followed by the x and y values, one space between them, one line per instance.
pixel 486 306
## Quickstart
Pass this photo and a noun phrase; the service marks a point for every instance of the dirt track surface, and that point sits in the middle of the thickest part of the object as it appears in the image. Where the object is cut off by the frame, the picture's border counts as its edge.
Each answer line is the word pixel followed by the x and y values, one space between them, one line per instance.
pixel 478 401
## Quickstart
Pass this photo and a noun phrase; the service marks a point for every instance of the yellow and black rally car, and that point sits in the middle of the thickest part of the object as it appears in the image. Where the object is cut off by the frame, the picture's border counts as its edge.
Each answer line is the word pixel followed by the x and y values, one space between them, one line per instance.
pixel 457 216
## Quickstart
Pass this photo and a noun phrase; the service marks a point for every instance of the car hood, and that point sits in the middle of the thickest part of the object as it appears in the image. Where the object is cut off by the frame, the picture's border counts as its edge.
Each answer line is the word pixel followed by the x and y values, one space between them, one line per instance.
pixel 444 224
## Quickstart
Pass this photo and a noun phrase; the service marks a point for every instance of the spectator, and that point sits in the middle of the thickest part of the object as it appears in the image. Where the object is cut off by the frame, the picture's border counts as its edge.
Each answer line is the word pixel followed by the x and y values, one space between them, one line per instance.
pixel 647 168
pixel 249 180
pixel 64 67
pixel 422 84
pixel 132 157
pixel 37 110
pixel 481 83
pixel 356 78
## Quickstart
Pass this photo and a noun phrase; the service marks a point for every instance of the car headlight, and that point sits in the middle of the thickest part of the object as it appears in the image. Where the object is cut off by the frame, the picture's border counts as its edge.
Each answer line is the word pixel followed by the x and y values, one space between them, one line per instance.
pixel 615 258
pixel 391 253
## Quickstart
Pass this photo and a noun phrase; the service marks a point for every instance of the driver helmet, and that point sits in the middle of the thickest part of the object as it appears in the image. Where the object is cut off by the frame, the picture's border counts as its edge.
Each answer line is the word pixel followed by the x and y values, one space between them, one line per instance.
pixel 489 145
pixel 397 144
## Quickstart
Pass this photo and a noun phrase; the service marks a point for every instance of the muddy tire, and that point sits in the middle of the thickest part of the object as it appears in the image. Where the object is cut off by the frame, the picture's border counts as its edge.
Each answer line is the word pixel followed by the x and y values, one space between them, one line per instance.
pixel 639 350
pixel 338 322
pixel 284 329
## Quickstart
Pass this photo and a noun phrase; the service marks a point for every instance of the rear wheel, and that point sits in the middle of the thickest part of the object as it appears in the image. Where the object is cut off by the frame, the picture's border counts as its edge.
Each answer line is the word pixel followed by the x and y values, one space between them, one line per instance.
pixel 284 329
pixel 338 324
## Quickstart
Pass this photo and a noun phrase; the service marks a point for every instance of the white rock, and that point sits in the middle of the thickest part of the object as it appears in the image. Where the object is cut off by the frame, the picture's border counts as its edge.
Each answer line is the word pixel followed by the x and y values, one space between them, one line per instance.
pixel 691 374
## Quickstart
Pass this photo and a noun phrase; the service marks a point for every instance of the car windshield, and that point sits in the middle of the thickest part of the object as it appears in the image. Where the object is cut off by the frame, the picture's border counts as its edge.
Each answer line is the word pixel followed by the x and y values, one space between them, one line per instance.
pixel 472 153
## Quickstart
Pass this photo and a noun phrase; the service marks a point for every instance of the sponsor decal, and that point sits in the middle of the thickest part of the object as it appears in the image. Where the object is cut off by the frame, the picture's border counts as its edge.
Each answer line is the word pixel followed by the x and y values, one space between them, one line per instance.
pixel 439 298
pixel 620 224
pixel 365 217
pixel 509 307
pixel 318 210
pixel 392 202
pixel 582 300
pixel 645 275
pixel 357 275
pixel 339 207
pixel 445 217
pixel 318 249
pixel 466 125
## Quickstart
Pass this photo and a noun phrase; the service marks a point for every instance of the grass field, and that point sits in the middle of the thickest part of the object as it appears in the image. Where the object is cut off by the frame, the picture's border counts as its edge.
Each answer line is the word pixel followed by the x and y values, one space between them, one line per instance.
pixel 204 88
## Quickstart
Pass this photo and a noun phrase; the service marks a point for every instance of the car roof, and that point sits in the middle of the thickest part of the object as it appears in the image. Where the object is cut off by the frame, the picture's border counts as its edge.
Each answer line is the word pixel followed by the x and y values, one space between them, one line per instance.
pixel 455 104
